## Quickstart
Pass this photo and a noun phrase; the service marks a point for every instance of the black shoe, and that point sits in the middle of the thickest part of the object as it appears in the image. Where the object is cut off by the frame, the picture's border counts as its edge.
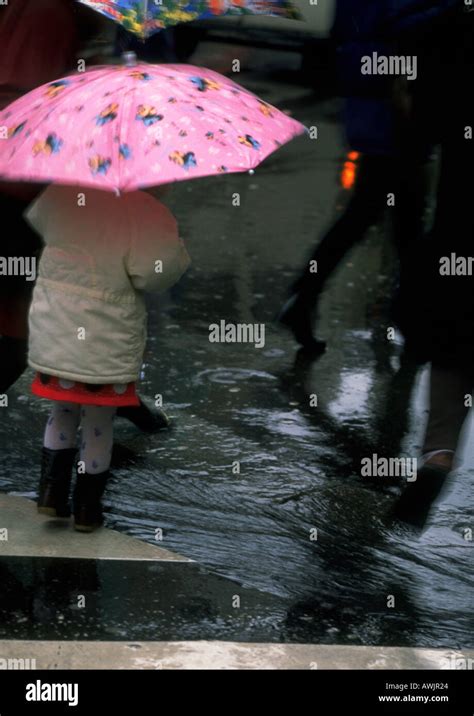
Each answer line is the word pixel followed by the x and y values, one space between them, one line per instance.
pixel 144 418
pixel 414 505
pixel 55 482
pixel 296 316
pixel 87 501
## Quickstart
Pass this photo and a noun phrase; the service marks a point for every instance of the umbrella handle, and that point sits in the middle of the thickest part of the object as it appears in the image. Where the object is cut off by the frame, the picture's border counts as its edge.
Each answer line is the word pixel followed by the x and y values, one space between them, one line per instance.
pixel 129 59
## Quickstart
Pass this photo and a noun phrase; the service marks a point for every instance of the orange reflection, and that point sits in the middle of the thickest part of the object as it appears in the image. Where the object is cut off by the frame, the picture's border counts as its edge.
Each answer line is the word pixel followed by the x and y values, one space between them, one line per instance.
pixel 349 170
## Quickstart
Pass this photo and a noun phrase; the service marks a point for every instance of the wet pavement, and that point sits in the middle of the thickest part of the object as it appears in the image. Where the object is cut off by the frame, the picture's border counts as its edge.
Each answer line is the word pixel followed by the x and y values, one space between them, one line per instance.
pixel 293 522
pixel 131 601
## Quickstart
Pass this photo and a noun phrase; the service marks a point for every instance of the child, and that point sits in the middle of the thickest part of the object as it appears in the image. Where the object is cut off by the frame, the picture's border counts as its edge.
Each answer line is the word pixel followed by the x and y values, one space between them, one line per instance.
pixel 88 328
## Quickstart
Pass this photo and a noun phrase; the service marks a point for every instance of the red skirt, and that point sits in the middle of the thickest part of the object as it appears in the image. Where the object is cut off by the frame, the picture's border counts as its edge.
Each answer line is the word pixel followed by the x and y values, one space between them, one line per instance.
pixel 70 391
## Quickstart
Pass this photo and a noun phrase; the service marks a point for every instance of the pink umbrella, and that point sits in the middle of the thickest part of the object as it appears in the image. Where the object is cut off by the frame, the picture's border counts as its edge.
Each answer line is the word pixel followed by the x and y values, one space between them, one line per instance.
pixel 124 127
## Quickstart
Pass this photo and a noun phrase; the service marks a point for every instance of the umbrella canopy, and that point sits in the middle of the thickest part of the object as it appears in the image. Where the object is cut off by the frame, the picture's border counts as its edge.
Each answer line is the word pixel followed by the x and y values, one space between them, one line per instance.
pixel 121 128
pixel 144 17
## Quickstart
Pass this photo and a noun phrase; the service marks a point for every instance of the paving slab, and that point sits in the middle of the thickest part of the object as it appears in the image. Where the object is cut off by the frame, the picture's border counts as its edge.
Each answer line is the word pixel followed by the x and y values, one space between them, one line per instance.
pixel 32 535
pixel 223 655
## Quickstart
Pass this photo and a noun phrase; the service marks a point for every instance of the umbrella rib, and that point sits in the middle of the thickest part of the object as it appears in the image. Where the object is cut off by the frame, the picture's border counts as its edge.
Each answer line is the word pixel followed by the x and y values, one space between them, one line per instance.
pixel 121 130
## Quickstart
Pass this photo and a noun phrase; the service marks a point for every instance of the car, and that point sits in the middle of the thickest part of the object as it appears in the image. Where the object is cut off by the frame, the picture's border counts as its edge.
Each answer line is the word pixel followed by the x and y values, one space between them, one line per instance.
pixel 308 33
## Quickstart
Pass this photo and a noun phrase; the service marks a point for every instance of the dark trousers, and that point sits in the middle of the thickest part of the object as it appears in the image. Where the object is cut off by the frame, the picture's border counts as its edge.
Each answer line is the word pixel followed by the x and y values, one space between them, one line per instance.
pixel 13 361
pixel 448 391
pixel 377 177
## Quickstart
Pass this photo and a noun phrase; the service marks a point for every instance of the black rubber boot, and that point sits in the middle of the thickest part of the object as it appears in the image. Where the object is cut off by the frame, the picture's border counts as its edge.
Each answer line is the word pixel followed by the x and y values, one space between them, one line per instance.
pixel 146 420
pixel 415 502
pixel 87 501
pixel 297 317
pixel 55 482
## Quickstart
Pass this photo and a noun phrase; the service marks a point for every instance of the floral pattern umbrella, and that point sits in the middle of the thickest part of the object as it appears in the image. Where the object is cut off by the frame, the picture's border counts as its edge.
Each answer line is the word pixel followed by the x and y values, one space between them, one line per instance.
pixel 145 17
pixel 121 128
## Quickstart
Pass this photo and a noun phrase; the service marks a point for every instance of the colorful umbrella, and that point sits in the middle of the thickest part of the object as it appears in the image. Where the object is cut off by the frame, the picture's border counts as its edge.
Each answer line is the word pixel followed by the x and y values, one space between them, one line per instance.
pixel 120 128
pixel 145 17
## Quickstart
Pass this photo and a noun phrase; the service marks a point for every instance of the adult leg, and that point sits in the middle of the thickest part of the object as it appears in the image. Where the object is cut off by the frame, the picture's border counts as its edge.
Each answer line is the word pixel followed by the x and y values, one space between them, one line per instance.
pixel 449 389
pixel 448 392
pixel 14 309
pixel 365 209
pixel 13 360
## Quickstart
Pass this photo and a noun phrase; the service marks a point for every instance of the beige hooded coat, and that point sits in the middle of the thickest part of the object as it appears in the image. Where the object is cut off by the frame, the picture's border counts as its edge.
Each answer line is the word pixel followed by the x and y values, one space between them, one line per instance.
pixel 88 319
